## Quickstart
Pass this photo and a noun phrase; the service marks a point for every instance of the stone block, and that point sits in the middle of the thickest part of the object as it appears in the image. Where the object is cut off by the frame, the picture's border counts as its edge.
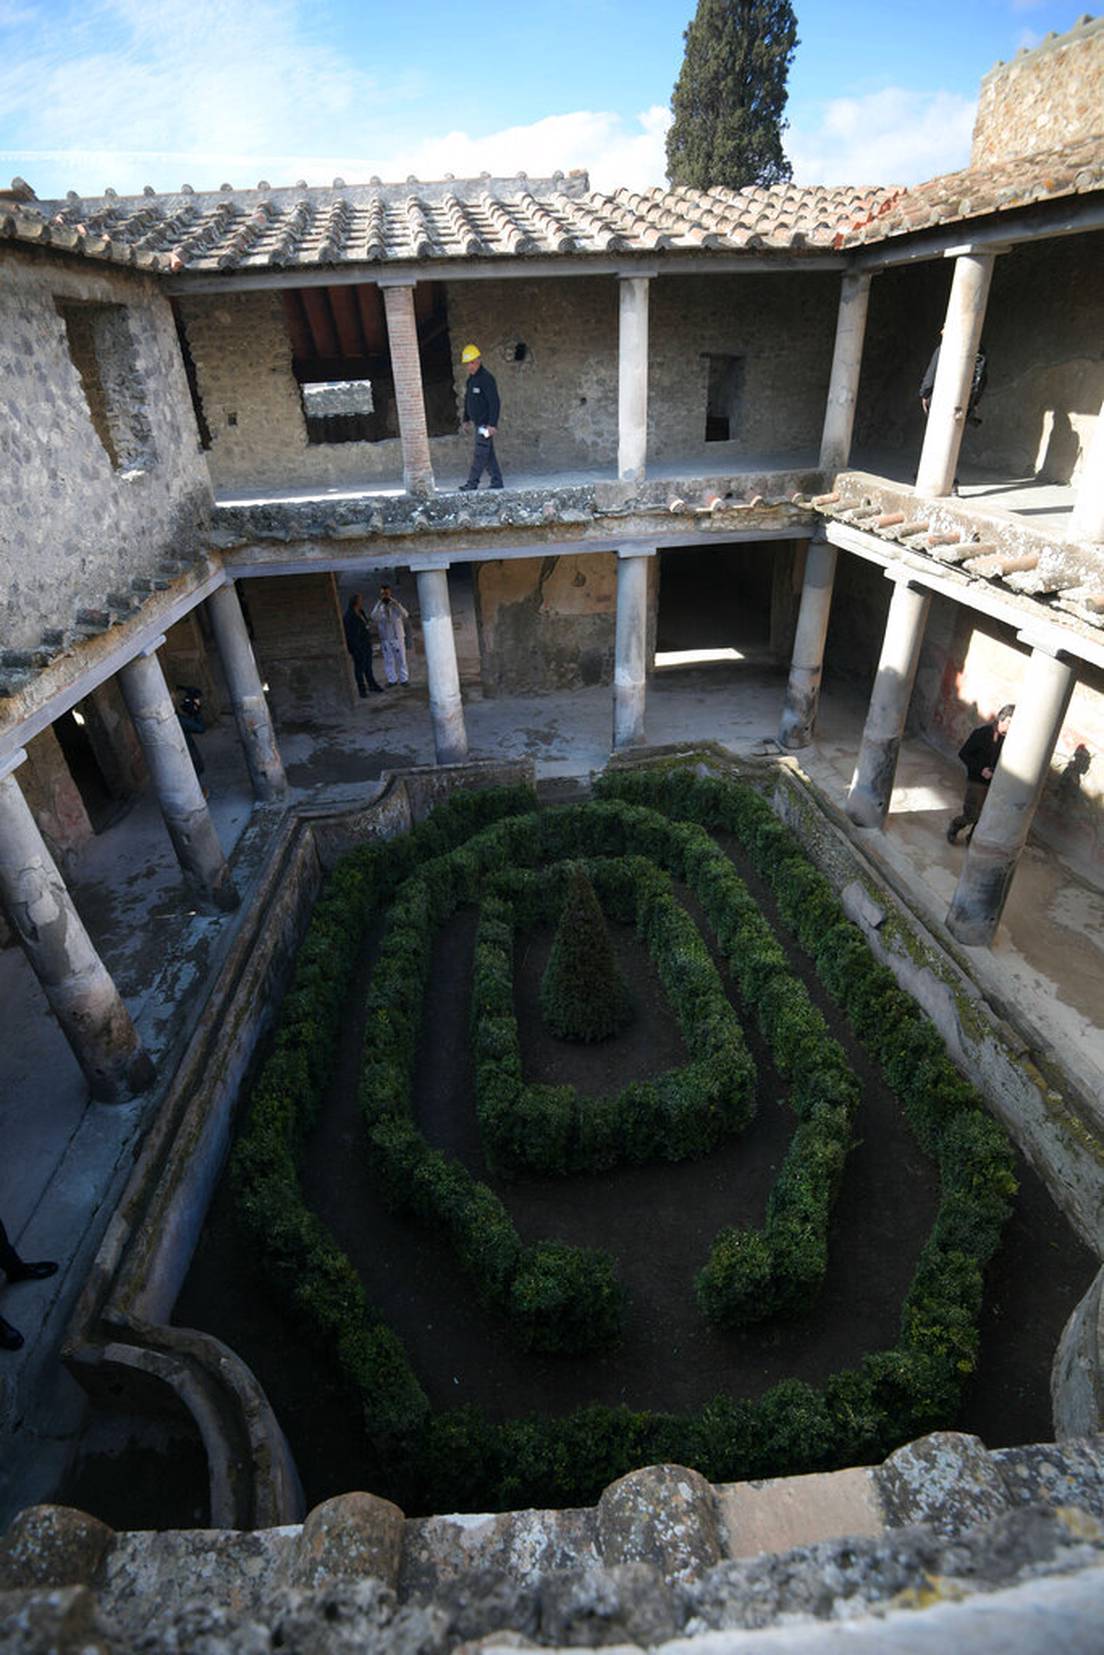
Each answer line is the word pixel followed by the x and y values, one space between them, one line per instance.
pixel 798 1511
pixel 61 1622
pixel 351 1537
pixel 948 1480
pixel 52 1546
pixel 628 1604
pixel 523 1545
pixel 666 1515
pixel 1065 1474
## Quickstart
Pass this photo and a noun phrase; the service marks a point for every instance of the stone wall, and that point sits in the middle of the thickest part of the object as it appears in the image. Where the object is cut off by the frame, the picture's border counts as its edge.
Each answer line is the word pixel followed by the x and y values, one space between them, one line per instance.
pixel 54 798
pixel 1044 338
pixel 552 345
pixel 1043 98
pixel 547 623
pixel 73 525
pixel 300 645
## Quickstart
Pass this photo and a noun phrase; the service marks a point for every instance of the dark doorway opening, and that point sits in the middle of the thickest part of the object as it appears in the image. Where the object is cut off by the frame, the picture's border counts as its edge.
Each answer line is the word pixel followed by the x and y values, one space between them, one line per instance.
pixel 724 398
pixel 102 805
pixel 715 604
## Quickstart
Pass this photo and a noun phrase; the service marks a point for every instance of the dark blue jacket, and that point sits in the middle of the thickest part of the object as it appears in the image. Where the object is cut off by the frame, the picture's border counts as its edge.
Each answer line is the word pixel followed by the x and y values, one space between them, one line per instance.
pixel 481 404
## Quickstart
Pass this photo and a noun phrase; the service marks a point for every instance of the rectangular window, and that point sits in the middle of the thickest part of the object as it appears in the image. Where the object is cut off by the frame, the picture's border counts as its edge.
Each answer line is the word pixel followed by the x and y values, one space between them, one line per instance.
pixel 102 350
pixel 724 396
pixel 342 361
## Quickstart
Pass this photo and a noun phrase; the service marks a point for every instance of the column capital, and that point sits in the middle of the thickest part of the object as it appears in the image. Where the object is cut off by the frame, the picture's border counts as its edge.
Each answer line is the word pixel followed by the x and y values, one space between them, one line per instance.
pixel 397 280
pixel 1040 644
pixel 645 273
pixel 12 762
pixel 977 250
pixel 150 649
pixel 632 550
pixel 905 577
pixel 426 565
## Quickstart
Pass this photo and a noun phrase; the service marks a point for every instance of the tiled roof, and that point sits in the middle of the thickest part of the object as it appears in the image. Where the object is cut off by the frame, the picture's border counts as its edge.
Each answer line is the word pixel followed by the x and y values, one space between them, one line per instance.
pixel 214 231
pixel 1074 169
pixel 478 218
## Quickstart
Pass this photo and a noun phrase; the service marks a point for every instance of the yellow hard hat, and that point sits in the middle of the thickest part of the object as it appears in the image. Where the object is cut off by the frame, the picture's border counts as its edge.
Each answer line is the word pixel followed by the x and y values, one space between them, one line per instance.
pixel 470 353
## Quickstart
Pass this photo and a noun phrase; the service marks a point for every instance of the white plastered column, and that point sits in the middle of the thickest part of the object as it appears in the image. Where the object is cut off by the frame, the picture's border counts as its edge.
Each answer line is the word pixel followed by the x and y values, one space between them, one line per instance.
pixel 799 709
pixel 876 766
pixel 1013 797
pixel 632 378
pixel 450 737
pixel 631 646
pixel 247 697
pixel 78 986
pixel 179 793
pixel 843 388
pixel 958 350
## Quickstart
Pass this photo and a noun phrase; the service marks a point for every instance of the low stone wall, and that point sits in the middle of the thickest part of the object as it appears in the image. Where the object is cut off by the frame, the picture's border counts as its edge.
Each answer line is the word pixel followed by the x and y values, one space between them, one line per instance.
pixel 944 1530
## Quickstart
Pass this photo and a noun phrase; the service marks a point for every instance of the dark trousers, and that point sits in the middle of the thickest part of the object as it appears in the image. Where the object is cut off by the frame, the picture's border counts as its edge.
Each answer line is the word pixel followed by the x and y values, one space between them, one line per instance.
pixel 362 669
pixel 483 459
pixel 971 808
pixel 9 1258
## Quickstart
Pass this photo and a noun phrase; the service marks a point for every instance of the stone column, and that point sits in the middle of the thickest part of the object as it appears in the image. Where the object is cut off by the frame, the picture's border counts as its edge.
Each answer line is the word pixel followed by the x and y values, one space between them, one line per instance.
pixel 450 738
pixel 75 980
pixel 630 646
pixel 843 390
pixel 951 394
pixel 876 766
pixel 406 370
pixel 247 698
pixel 799 709
pixel 1014 793
pixel 1087 522
pixel 178 790
pixel 632 380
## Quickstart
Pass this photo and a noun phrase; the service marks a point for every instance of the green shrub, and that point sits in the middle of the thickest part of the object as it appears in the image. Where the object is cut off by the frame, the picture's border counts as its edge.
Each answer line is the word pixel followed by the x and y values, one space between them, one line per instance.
pixel 583 995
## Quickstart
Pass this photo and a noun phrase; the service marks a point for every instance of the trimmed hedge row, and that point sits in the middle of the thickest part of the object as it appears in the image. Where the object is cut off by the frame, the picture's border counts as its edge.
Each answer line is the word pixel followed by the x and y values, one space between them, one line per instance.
pixel 300 1257
pixel 555 1297
pixel 552 1129
pixel 946 1113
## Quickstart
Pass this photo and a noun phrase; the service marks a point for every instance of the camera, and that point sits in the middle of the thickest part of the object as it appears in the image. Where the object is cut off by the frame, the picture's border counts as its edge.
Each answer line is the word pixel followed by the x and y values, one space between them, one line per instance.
pixel 190 699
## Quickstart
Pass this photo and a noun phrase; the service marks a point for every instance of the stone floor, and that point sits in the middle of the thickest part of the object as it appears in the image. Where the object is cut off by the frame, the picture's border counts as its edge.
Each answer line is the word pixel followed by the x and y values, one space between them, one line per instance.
pixel 65 1161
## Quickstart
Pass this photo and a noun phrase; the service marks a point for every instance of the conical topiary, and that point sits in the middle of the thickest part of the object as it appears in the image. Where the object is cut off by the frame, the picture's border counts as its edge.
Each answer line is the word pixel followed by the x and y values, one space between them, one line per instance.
pixel 583 994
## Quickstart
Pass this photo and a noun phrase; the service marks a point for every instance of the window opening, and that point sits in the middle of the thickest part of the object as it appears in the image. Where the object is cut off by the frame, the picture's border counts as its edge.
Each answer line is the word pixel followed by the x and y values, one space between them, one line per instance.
pixel 101 348
pixel 724 397
pixel 342 362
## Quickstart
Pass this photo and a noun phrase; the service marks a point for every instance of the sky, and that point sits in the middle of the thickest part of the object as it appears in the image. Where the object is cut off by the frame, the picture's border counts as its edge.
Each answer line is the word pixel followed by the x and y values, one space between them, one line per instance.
pixel 124 93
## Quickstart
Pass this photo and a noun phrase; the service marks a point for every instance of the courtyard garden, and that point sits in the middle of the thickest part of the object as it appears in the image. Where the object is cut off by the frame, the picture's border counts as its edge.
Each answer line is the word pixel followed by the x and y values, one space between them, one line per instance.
pixel 594 1136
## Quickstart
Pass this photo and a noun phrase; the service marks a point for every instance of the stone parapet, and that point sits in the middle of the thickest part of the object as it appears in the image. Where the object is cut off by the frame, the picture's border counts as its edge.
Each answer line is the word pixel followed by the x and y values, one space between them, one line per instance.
pixel 1050 95
pixel 945 1536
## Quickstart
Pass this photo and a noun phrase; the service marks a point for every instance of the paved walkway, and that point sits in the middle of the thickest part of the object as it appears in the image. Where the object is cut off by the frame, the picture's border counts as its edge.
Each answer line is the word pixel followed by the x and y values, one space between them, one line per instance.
pixel 65 1160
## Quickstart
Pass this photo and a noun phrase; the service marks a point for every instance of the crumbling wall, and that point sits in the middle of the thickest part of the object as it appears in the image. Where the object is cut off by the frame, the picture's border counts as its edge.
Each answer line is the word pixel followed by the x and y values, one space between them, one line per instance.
pixel 1043 98
pixel 54 797
pixel 547 623
pixel 73 525
pixel 1045 347
pixel 300 646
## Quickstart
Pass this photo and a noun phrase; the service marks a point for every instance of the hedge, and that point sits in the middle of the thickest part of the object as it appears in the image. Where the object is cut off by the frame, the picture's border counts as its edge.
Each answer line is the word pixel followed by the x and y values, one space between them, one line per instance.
pixel 555 1130
pixel 457 1459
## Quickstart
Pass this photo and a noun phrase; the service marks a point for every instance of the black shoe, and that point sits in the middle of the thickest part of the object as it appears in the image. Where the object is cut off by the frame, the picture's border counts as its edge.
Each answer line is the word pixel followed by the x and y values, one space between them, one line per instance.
pixel 363 694
pixel 467 488
pixel 499 484
pixel 33 1272
pixel 952 836
pixel 376 689
pixel 10 1337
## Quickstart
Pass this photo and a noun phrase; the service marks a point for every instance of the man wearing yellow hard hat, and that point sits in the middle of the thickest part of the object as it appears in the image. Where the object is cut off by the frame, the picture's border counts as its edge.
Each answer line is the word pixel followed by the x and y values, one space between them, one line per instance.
pixel 481 409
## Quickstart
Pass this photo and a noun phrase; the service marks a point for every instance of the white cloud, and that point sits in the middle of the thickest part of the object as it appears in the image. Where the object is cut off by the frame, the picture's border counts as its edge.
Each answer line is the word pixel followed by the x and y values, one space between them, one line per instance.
pixel 888 137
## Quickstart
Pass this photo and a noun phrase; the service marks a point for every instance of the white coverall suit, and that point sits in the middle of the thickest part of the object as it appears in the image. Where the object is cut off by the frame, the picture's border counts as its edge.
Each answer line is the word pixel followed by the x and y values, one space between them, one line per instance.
pixel 391 622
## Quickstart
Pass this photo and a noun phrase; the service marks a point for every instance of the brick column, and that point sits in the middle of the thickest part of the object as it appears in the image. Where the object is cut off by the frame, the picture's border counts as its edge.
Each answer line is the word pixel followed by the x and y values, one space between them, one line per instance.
pixel 807 666
pixel 446 708
pixel 958 350
pixel 630 646
pixel 77 984
pixel 1087 522
pixel 876 766
pixel 247 697
pixel 632 379
pixel 178 790
pixel 1013 796
pixel 406 370
pixel 843 389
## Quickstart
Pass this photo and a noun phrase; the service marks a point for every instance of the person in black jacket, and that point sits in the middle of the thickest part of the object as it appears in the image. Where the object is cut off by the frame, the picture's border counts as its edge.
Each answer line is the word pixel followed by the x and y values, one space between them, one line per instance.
pixel 358 641
pixel 16 1270
pixel 481 409
pixel 979 753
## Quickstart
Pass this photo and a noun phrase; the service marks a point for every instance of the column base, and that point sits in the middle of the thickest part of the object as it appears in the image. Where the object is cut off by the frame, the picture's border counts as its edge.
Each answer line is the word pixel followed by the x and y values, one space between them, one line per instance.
pixel 865 809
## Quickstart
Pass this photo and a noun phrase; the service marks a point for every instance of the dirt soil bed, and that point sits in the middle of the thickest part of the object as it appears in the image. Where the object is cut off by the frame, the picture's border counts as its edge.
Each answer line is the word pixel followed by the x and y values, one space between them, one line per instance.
pixel 656 1221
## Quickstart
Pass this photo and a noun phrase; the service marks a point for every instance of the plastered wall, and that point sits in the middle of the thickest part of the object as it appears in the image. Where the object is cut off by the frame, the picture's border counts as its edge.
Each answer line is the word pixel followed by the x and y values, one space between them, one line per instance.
pixel 72 526
pixel 546 623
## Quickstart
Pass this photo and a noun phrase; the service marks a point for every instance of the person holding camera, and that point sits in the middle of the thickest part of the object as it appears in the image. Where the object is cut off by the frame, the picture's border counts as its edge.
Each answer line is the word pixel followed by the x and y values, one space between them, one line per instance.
pixel 391 623
pixel 190 714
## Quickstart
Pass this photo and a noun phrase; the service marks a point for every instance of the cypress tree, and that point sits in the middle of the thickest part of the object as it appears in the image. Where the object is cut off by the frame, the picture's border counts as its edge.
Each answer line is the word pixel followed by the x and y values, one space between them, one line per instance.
pixel 730 95
pixel 583 994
